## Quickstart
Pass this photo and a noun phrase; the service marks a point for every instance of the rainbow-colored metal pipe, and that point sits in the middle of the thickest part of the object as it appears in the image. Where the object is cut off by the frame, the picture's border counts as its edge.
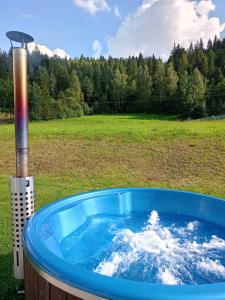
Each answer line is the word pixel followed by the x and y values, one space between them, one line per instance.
pixel 21 110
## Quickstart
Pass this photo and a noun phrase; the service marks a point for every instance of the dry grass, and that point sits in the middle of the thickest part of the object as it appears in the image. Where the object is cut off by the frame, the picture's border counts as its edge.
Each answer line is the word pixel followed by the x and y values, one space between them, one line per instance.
pixel 179 163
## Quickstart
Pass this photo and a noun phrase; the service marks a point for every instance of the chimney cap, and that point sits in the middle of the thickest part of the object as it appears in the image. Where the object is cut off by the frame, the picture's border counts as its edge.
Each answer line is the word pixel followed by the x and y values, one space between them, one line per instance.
pixel 19 37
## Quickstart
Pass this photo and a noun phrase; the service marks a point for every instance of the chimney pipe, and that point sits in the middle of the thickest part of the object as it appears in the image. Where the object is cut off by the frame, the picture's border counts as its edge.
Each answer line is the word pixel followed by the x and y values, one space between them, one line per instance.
pixel 21 110
pixel 22 188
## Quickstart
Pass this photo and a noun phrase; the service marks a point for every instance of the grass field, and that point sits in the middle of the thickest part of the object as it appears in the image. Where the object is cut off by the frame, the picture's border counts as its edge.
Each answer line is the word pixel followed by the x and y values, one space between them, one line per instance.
pixel 74 155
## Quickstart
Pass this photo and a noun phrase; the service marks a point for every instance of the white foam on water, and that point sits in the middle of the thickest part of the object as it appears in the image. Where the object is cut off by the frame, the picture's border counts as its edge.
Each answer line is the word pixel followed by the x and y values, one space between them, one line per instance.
pixel 110 267
pixel 211 266
pixel 192 225
pixel 167 277
pixel 215 243
pixel 167 251
pixel 154 218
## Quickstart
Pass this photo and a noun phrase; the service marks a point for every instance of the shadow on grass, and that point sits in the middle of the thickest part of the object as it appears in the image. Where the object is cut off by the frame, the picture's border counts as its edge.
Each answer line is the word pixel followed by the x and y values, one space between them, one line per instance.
pixel 8 285
pixel 150 117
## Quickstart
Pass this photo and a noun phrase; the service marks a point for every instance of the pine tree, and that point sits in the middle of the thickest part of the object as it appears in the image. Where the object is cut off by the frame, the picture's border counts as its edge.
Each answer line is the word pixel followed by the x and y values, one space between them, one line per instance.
pixel 211 63
pixel 183 64
pixel 52 85
pixel 159 84
pixel 6 96
pixel 4 65
pixel 216 102
pixel 35 101
pixel 74 89
pixel 171 80
pixel 119 89
pixel 87 88
pixel 183 90
pixel 144 89
pixel 195 98
pixel 43 82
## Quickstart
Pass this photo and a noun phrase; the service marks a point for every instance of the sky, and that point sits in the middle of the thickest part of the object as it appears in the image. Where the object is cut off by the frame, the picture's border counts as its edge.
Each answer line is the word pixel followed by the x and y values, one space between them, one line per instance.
pixel 112 27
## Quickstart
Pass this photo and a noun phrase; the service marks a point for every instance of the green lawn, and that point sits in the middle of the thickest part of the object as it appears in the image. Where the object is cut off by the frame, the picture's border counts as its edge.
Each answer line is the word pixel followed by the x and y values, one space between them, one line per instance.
pixel 94 152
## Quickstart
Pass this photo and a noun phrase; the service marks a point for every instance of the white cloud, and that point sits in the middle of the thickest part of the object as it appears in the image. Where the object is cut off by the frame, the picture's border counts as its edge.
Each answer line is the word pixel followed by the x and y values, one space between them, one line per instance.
pixel 204 7
pixel 26 16
pixel 60 53
pixel 97 48
pixel 46 51
pixel 157 24
pixel 92 6
pixel 116 11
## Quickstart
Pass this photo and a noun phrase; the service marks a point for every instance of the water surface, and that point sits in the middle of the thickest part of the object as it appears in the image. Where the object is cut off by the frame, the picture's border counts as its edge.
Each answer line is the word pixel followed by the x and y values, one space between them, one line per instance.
pixel 156 248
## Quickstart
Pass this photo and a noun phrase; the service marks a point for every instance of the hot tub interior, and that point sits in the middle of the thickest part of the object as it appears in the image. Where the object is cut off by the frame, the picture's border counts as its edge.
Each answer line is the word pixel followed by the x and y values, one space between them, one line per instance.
pixel 151 236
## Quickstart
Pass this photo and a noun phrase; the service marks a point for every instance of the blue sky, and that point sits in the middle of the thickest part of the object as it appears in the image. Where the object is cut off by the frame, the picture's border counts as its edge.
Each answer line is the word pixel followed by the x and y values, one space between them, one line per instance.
pixel 68 25
pixel 219 10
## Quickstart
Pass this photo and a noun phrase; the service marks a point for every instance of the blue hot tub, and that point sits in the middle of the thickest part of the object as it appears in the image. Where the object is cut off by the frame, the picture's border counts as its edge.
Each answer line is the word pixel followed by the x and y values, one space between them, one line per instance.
pixel 111 244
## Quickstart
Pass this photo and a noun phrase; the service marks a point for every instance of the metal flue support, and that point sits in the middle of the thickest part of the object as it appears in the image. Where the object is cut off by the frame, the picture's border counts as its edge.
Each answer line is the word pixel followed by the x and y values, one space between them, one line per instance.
pixel 22 189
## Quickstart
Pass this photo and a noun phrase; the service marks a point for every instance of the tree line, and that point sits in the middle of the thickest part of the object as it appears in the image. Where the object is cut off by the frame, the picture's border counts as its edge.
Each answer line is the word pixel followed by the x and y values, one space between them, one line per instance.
pixel 191 83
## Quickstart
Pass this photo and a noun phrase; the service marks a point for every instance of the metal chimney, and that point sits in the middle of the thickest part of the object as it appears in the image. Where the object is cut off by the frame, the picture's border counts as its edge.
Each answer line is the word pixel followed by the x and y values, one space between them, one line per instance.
pixel 22 186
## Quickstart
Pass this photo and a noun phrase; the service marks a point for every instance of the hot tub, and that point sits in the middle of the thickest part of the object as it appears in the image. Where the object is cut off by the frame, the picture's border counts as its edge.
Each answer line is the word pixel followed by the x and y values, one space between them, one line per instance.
pixel 49 266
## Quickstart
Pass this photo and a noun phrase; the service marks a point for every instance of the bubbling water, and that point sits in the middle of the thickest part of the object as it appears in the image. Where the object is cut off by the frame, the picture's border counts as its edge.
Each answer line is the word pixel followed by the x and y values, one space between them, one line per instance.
pixel 186 251
pixel 166 251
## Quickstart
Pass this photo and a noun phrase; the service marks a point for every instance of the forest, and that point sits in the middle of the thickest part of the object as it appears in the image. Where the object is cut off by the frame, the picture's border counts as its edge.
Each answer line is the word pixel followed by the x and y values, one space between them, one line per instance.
pixel 190 84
